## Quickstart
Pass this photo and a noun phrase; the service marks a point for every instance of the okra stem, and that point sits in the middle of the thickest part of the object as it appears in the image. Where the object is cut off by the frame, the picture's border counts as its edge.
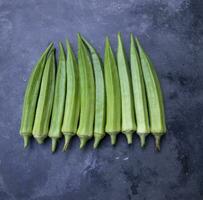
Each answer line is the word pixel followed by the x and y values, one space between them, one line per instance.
pixel 67 140
pixel 83 141
pixel 53 144
pixel 26 140
pixel 157 141
pixel 31 97
pixel 113 136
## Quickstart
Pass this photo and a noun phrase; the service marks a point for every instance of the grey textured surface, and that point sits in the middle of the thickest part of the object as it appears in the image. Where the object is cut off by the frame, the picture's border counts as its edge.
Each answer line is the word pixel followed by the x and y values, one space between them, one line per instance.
pixel 172 33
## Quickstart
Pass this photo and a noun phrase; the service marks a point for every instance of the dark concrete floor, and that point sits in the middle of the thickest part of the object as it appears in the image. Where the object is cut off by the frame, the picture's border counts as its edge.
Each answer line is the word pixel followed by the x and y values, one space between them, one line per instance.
pixel 172 33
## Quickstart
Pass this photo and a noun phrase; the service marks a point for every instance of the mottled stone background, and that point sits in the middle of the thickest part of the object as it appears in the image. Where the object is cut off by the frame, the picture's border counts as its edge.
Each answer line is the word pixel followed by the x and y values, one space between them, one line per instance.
pixel 171 31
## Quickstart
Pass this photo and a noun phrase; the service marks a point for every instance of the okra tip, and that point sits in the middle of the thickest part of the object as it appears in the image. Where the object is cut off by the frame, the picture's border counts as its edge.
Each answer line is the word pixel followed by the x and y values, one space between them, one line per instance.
pixel 62 55
pixel 107 41
pixel 67 43
pixel 26 139
pixel 83 141
pixel 132 40
pixel 84 40
pixel 67 141
pixel 50 46
pixel 119 37
pixel 79 36
pixel 138 43
pixel 80 43
pixel 157 142
pixel 113 139
pixel 53 144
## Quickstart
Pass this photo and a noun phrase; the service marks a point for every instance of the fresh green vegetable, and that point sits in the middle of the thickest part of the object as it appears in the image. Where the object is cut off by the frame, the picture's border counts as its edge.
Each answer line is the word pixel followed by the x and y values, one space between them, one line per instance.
pixel 59 100
pixel 113 94
pixel 45 101
pixel 128 126
pixel 72 104
pixel 31 97
pixel 99 121
pixel 154 97
pixel 140 100
pixel 87 91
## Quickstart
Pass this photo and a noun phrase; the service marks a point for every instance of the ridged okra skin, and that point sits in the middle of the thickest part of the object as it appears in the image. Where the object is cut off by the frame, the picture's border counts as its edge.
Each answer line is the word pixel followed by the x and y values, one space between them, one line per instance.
pixel 139 93
pixel 31 97
pixel 72 103
pixel 59 100
pixel 154 96
pixel 100 104
pixel 45 101
pixel 128 124
pixel 87 94
pixel 113 94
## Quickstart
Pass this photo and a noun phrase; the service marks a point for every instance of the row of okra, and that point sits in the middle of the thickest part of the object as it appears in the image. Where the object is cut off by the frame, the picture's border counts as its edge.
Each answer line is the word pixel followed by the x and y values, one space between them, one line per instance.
pixel 89 98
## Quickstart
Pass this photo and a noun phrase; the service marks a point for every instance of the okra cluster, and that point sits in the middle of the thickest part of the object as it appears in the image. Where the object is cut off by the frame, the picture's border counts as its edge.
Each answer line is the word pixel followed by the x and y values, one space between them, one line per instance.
pixel 86 97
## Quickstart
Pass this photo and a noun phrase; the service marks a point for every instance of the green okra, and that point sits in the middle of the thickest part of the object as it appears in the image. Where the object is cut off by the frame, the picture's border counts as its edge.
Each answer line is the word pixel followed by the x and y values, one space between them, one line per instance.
pixel 113 94
pixel 72 103
pixel 140 101
pixel 154 96
pixel 128 124
pixel 100 104
pixel 59 100
pixel 45 101
pixel 31 97
pixel 87 94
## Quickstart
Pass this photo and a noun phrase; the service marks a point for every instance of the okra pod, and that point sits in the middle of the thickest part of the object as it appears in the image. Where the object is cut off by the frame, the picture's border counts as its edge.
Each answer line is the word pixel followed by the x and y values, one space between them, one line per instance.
pixel 59 100
pixel 139 92
pixel 154 97
pixel 31 97
pixel 99 120
pixel 87 94
pixel 72 103
pixel 45 101
pixel 113 94
pixel 128 124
